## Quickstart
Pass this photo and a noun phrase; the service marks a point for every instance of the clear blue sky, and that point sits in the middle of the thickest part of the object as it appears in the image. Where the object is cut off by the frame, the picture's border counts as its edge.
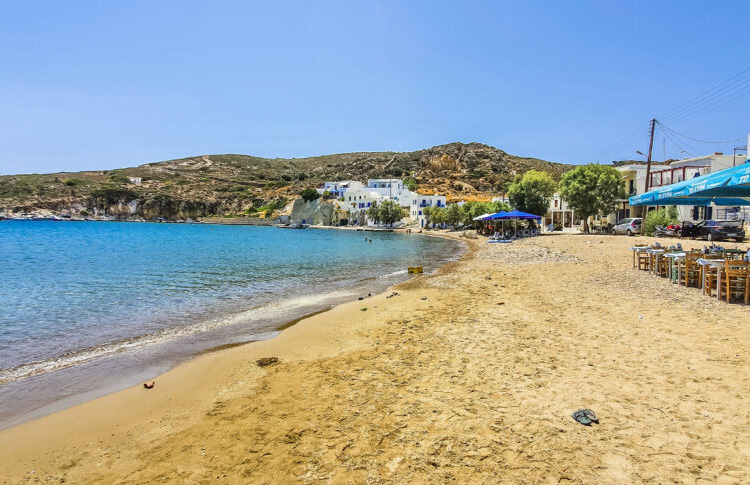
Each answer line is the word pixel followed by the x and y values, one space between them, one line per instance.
pixel 97 85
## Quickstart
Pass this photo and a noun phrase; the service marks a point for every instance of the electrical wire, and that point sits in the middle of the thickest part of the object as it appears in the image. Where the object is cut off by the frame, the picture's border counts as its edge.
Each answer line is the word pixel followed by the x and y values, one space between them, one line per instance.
pixel 730 90
pixel 628 141
pixel 733 86
pixel 675 143
pixel 664 127
pixel 720 98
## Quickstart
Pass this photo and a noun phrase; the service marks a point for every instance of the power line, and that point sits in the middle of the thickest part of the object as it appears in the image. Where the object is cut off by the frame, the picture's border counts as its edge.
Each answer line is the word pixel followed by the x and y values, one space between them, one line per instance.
pixel 731 86
pixel 664 127
pixel 674 142
pixel 627 141
pixel 728 94
pixel 719 95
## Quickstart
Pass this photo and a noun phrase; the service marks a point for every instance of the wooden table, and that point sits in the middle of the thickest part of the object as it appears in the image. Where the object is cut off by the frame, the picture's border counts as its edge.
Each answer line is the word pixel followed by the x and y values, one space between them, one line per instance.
pixel 675 259
pixel 729 252
pixel 716 263
pixel 637 249
pixel 655 260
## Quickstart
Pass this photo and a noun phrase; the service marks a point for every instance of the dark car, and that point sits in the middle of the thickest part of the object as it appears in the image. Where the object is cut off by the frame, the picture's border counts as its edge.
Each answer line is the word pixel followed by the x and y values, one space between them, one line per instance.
pixel 720 230
pixel 689 230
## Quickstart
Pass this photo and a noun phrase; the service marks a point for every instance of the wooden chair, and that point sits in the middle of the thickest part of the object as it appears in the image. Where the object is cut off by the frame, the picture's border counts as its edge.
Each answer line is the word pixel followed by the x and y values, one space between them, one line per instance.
pixel 710 275
pixel 692 271
pixel 662 264
pixel 737 280
pixel 644 261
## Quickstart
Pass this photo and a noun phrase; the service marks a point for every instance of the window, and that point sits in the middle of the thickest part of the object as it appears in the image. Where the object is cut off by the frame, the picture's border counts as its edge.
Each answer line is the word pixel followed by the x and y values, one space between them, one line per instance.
pixel 420 213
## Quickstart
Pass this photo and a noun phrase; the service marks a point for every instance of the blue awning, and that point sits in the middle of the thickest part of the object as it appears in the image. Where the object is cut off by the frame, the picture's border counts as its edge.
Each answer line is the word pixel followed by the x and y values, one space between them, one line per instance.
pixel 514 214
pixel 729 187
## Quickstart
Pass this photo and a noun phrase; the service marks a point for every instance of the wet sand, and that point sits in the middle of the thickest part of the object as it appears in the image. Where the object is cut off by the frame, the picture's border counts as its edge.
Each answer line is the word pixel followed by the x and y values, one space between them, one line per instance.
pixel 468 375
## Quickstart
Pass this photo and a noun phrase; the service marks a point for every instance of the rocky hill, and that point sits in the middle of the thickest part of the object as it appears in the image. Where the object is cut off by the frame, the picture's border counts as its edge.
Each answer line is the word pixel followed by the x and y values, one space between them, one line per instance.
pixel 212 185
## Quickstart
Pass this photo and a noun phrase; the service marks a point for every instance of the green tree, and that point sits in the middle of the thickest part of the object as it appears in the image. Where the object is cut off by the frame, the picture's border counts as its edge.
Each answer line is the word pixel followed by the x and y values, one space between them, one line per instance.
pixel 468 210
pixel 532 192
pixel 498 207
pixel 427 213
pixel 373 212
pixel 454 214
pixel 438 215
pixel 390 212
pixel 309 194
pixel 660 217
pixel 410 183
pixel 592 190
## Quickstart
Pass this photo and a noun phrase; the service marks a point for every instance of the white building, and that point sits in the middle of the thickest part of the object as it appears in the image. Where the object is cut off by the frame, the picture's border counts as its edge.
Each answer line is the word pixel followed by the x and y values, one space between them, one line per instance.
pixel 418 202
pixel 390 188
pixel 338 189
pixel 560 217
pixel 688 168
pixel 361 199
pixel 634 178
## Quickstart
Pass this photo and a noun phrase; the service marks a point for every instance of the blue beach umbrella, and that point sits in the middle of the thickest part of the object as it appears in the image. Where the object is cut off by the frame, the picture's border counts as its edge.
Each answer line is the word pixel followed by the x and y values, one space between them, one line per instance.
pixel 729 187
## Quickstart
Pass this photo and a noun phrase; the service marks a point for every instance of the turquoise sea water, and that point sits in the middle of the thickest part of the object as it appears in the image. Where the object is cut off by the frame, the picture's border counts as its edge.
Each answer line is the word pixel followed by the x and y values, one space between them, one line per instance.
pixel 90 307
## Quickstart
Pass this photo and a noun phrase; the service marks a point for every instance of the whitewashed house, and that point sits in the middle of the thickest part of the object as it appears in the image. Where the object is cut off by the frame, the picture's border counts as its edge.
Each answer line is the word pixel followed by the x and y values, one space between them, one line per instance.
pixel 338 189
pixel 418 202
pixel 389 188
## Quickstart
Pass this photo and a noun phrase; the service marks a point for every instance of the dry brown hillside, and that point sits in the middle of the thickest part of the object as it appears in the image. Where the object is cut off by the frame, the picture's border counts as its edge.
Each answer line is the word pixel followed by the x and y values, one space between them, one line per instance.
pixel 234 184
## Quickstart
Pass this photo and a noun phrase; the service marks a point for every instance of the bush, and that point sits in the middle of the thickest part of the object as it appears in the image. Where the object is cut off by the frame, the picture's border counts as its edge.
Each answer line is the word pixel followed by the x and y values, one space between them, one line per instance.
pixel 660 217
pixel 410 184
pixel 309 194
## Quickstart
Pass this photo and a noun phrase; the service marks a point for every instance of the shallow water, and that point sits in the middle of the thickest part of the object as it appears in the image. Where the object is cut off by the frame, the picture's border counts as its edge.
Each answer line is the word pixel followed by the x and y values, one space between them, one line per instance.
pixel 91 307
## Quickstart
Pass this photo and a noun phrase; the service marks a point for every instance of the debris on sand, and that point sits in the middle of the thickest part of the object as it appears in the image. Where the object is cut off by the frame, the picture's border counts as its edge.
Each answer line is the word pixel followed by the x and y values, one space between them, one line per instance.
pixel 149 385
pixel 266 361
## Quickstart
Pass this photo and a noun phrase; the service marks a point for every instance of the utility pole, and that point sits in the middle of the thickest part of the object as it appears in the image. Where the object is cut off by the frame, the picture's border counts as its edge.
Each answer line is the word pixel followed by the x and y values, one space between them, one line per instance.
pixel 650 149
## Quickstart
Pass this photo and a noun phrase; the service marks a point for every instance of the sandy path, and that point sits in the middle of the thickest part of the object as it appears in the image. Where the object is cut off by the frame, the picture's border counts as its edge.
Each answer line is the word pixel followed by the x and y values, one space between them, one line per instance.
pixel 454 387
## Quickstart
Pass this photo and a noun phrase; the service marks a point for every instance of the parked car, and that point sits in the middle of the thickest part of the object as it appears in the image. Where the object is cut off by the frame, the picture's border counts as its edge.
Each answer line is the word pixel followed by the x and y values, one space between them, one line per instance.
pixel 720 230
pixel 629 226
pixel 689 229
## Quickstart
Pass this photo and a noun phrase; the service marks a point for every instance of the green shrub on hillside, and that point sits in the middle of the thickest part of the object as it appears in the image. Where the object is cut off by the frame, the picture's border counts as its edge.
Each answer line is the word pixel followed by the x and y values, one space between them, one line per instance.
pixel 309 194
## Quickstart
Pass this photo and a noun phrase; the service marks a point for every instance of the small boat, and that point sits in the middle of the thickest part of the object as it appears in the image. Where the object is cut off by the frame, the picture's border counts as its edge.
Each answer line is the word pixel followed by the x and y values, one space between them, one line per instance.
pixel 294 226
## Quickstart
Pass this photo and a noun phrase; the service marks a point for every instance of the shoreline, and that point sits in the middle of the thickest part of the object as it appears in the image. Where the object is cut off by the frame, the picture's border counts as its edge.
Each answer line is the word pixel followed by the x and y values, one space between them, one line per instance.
pixel 467 375
pixel 187 382
pixel 62 402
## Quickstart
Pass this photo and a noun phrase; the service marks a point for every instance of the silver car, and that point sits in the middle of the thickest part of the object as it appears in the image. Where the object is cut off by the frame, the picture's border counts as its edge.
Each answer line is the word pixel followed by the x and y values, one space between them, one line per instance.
pixel 629 226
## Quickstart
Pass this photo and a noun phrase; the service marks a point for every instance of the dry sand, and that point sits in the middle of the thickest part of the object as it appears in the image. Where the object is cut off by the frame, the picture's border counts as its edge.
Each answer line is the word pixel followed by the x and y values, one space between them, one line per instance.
pixel 452 387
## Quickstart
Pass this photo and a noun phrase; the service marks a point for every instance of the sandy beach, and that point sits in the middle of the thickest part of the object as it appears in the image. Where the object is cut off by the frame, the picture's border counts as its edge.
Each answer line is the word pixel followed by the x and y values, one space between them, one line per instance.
pixel 470 375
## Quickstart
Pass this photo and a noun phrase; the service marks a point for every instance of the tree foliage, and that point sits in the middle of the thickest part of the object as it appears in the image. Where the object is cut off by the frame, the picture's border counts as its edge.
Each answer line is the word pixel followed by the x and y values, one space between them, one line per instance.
pixel 532 192
pixel 476 209
pixel 660 217
pixel 592 190
pixel 373 212
pixel 390 212
pixel 309 194
pixel 454 215
pixel 410 183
